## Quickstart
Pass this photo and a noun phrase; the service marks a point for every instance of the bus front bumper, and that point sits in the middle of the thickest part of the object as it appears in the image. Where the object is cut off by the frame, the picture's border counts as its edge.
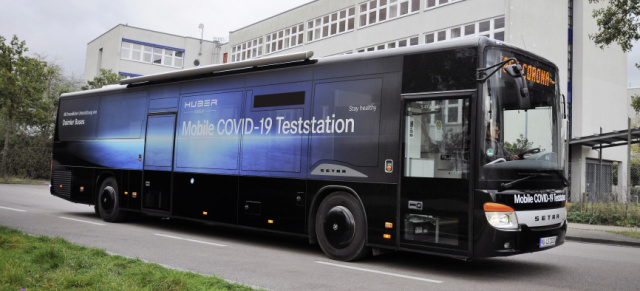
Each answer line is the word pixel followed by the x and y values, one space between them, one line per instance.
pixel 496 243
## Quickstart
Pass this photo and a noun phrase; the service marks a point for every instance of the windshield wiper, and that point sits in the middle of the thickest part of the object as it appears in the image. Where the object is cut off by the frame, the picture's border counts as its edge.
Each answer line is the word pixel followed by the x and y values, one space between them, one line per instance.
pixel 530 175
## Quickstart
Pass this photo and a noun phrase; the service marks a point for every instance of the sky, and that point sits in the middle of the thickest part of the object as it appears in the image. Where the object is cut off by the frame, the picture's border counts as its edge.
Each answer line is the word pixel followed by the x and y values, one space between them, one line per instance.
pixel 61 29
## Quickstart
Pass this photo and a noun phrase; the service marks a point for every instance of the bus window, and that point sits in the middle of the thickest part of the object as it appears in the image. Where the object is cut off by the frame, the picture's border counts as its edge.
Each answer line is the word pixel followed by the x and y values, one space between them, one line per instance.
pixel 273 143
pixel 440 71
pixel 209 130
pixel 437 139
pixel 280 99
pixel 78 118
pixel 131 112
pixel 347 122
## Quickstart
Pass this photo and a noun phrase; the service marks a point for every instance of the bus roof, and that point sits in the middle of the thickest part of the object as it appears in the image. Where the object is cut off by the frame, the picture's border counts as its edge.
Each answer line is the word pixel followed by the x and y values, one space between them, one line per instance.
pixel 283 60
pixel 210 69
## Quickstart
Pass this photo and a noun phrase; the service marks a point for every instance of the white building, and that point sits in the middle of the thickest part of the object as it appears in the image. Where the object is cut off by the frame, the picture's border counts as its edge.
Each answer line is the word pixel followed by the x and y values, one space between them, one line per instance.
pixel 132 51
pixel 594 80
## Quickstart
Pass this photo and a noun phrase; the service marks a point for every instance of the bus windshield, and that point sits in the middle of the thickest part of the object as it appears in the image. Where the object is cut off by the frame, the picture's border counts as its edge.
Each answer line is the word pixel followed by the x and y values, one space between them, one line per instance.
pixel 516 138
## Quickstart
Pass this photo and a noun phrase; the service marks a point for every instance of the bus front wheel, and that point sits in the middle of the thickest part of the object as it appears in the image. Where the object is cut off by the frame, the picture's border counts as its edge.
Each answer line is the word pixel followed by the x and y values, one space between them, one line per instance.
pixel 108 201
pixel 341 227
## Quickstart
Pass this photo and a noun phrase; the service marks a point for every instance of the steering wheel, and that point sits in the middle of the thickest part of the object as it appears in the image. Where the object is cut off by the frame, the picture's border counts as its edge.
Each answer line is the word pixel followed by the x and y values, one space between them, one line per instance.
pixel 531 151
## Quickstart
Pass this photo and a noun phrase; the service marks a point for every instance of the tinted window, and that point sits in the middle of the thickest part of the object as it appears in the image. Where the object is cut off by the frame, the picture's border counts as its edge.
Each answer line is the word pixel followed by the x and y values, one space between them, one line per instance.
pixel 209 130
pixel 122 116
pixel 440 71
pixel 78 118
pixel 281 99
pixel 346 122
pixel 275 142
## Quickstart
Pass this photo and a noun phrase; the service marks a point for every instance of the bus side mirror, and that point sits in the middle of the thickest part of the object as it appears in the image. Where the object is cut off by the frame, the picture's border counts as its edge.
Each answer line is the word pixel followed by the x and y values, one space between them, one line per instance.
pixel 515 71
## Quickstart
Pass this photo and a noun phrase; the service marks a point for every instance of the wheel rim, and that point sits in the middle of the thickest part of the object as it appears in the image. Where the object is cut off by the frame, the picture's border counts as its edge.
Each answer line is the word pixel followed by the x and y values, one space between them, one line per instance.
pixel 339 226
pixel 107 200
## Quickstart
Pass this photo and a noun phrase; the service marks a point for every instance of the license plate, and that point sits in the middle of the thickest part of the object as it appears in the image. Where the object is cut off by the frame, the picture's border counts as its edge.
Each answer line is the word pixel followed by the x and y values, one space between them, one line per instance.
pixel 548 241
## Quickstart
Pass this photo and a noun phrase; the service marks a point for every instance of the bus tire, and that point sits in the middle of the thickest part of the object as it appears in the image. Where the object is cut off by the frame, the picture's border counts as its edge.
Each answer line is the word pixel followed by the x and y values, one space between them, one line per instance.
pixel 341 227
pixel 108 201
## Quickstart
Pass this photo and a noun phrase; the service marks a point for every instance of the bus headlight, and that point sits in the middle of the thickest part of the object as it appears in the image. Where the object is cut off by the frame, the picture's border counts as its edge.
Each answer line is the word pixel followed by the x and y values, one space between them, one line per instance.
pixel 501 216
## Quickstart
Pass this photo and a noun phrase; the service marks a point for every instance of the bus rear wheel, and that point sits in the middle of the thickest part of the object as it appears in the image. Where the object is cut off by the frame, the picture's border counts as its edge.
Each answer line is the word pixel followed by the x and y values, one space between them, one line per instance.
pixel 109 201
pixel 341 227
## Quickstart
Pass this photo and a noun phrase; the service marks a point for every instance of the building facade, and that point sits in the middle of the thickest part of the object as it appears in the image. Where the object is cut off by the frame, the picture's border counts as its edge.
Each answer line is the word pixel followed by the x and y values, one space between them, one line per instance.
pixel 593 80
pixel 131 51
pixel 599 104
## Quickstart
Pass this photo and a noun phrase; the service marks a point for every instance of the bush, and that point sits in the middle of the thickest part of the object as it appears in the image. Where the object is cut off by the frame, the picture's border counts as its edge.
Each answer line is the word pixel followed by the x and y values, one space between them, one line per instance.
pixel 616 214
pixel 30 156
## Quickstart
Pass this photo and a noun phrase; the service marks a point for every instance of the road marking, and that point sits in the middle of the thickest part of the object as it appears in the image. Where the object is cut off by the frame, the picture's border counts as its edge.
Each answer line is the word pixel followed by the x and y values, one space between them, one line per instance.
pixel 380 272
pixel 84 221
pixel 7 208
pixel 190 240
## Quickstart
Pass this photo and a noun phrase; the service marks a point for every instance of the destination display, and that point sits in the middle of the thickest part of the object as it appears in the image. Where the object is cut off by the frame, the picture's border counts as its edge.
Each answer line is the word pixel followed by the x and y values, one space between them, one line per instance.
pixel 532 73
pixel 541 77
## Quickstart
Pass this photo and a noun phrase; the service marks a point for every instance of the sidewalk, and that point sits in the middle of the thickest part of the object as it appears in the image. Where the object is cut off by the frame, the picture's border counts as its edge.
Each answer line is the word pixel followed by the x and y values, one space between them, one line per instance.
pixel 598 234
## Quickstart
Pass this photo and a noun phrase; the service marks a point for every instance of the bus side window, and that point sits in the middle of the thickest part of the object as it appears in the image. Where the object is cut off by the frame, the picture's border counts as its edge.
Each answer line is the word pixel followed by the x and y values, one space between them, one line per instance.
pixel 122 116
pixel 347 122
pixel 78 118
pixel 208 131
pixel 274 143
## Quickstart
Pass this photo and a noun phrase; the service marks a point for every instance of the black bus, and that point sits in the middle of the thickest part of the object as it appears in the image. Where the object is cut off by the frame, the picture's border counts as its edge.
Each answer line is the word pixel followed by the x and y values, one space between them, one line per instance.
pixel 453 148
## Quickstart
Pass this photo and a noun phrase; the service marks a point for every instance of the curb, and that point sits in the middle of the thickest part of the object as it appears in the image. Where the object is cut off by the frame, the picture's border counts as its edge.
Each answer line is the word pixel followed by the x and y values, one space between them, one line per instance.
pixel 603 241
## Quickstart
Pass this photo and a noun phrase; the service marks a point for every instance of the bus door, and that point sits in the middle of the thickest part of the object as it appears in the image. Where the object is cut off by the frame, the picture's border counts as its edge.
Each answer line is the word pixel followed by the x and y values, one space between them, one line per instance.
pixel 435 184
pixel 158 162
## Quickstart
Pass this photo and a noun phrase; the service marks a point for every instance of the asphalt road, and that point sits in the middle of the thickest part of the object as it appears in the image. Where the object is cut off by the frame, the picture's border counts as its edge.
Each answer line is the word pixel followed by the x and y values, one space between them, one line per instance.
pixel 279 262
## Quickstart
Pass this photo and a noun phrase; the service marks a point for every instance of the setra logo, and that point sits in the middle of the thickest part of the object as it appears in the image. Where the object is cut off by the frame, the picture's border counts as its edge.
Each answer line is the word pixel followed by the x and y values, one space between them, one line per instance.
pixel 550 217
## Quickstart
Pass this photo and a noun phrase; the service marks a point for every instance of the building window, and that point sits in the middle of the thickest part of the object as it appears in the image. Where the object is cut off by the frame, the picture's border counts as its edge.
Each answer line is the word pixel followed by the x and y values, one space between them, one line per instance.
pixel 410 41
pixel 247 50
pixel 99 66
pixel 598 190
pixel 436 3
pixel 150 53
pixel 454 111
pixel 374 11
pixel 284 39
pixel 331 24
pixel 491 28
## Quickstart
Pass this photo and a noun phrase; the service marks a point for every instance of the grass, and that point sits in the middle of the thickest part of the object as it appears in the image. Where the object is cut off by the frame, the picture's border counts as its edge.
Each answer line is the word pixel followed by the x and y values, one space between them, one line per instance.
pixel 35 263
pixel 17 180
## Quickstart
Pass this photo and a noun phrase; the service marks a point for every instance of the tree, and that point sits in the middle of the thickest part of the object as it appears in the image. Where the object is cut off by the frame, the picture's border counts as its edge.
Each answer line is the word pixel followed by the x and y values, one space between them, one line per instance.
pixel 521 145
pixel 619 22
pixel 106 77
pixel 22 85
pixel 57 84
